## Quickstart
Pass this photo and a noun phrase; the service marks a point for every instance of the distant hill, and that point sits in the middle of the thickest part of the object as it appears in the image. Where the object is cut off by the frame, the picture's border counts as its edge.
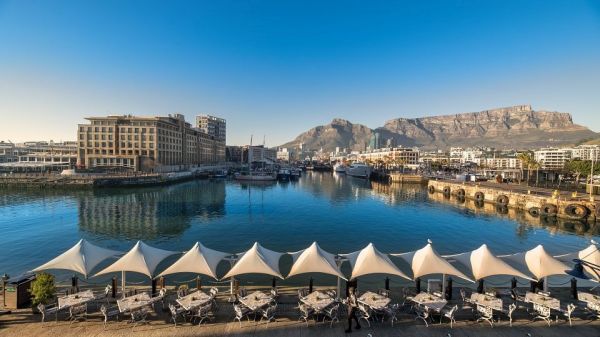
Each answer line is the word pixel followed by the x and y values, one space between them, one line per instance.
pixel 512 127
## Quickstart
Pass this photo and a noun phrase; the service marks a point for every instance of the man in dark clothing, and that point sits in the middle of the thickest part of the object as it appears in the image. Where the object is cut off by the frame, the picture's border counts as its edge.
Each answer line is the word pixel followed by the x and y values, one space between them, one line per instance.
pixel 352 308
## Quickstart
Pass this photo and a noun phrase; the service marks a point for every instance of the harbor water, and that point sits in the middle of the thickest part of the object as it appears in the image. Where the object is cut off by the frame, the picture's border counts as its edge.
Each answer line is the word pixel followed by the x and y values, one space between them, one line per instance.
pixel 343 214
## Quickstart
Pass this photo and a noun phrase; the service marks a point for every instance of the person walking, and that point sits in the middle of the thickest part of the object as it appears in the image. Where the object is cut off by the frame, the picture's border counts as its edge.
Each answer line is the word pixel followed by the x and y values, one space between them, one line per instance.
pixel 352 308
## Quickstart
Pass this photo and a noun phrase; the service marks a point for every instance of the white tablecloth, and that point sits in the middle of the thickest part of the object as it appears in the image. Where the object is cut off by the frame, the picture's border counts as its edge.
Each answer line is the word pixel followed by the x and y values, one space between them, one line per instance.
pixel 75 299
pixel 546 301
pixel 374 300
pixel 318 300
pixel 431 301
pixel 134 302
pixel 256 300
pixel 194 300
pixel 487 301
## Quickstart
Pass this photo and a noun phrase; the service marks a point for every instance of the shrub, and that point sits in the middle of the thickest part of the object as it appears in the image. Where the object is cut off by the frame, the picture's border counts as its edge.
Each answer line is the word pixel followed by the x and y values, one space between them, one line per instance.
pixel 42 289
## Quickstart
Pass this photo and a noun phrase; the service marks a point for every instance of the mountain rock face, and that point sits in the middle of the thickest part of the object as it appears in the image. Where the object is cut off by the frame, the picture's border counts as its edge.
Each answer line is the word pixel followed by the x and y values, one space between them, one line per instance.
pixel 512 127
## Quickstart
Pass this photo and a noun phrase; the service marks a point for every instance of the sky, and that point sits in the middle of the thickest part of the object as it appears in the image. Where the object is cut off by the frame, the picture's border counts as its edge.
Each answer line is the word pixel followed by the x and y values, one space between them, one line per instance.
pixel 274 69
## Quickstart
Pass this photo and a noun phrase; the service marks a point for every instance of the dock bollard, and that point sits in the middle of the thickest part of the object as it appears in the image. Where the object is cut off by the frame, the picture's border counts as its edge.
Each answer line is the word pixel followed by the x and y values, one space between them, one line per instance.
pixel 480 286
pixel 418 284
pixel 274 283
pixel 114 287
pixel 198 283
pixel 74 284
pixel 310 285
pixel 387 283
pixel 574 289
pixel 153 287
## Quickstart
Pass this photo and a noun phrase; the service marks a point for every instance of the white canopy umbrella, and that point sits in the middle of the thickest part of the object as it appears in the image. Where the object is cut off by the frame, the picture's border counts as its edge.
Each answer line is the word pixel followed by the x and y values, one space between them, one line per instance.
pixel 141 259
pixel 371 261
pixel 198 260
pixel 314 260
pixel 81 258
pixel 538 262
pixel 257 260
pixel 590 254
pixel 426 261
pixel 482 263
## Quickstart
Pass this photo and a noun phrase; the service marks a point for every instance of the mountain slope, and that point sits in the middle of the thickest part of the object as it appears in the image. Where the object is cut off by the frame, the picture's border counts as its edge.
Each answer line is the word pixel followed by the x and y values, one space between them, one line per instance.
pixel 512 127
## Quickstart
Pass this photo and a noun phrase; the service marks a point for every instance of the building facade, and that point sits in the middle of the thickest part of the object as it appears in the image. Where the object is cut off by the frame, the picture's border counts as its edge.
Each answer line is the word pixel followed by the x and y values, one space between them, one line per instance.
pixel 586 152
pixel 216 128
pixel 552 158
pixel 409 157
pixel 149 144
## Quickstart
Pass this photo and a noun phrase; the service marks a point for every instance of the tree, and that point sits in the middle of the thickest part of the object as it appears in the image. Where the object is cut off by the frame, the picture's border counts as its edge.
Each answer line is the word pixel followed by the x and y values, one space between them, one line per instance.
pixel 42 289
pixel 527 160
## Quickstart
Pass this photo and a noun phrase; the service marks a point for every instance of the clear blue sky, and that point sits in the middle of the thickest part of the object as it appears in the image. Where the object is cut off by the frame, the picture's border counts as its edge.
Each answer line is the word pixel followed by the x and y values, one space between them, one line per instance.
pixel 277 68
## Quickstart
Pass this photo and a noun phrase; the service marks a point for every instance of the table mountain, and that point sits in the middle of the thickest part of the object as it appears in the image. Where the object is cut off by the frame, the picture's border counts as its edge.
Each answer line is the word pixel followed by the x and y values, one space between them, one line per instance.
pixel 512 127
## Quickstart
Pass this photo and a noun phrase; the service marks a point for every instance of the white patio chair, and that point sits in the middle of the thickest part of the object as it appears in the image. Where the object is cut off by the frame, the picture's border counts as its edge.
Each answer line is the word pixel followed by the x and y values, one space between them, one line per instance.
pixel 511 308
pixel 77 313
pixel 139 316
pixel 364 312
pixel 384 292
pixel 108 313
pixel 202 313
pixel 241 312
pixel 213 292
pixel 47 310
pixel 422 313
pixel 302 293
pixel 331 313
pixel 449 313
pixel 485 314
pixel 542 312
pixel 567 311
pixel 269 313
pixel 305 312
pixel 177 311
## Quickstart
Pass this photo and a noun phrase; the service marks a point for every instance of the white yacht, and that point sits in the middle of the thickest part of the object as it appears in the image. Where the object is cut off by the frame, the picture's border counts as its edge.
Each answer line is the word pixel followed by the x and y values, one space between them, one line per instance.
pixel 360 170
pixel 340 168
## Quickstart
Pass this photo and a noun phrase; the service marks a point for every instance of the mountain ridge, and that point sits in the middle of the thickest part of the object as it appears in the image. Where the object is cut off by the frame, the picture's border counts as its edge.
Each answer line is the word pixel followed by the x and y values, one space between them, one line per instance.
pixel 509 127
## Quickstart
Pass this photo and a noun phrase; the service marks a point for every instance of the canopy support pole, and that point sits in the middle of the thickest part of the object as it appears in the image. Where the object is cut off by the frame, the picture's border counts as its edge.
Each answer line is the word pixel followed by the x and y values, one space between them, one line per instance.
pixel 443 284
pixel 546 284
pixel 338 262
pixel 122 284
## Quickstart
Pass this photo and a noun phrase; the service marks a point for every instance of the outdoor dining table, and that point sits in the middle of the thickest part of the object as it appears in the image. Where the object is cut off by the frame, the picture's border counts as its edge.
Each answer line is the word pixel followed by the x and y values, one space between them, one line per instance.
pixel 75 299
pixel 135 302
pixel 256 300
pixel 431 301
pixel 318 300
pixel 373 300
pixel 542 305
pixel 194 300
pixel 592 302
pixel 486 304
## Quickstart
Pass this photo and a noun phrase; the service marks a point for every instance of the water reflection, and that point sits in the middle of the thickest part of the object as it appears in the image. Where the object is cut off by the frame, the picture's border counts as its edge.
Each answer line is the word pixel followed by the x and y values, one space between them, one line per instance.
pixel 150 213
pixel 525 220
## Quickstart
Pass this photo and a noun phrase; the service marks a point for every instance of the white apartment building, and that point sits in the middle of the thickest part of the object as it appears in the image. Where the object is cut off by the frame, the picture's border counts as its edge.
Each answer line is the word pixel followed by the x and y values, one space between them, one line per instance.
pixel 586 152
pixel 500 163
pixel 552 158
pixel 283 154
pixel 409 156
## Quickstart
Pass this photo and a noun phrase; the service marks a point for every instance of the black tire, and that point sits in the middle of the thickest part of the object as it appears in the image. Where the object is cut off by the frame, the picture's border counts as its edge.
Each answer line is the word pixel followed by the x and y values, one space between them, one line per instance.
pixel 460 193
pixel 502 200
pixel 460 199
pixel 577 211
pixel 431 189
pixel 479 196
pixel 446 190
pixel 479 203
pixel 549 210
pixel 534 212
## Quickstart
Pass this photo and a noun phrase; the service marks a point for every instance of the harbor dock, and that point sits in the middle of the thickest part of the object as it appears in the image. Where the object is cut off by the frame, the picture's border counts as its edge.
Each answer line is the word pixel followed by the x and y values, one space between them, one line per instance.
pixel 538 202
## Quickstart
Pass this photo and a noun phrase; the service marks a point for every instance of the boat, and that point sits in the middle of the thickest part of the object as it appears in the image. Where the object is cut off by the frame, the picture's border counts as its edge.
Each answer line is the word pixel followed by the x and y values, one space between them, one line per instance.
pixel 220 174
pixel 251 175
pixel 340 168
pixel 284 175
pixel 360 170
pixel 295 173
pixel 255 176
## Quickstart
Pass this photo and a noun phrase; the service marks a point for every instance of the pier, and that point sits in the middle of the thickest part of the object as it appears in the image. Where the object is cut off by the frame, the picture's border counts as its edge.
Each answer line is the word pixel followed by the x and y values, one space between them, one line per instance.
pixel 536 201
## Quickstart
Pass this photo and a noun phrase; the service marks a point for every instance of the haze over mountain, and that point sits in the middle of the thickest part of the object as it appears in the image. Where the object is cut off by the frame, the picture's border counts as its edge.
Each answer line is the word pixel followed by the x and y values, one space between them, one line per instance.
pixel 515 127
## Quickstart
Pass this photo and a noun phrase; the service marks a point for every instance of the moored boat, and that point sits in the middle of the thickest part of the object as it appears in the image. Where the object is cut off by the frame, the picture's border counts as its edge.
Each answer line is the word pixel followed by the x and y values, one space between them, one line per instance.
pixel 359 170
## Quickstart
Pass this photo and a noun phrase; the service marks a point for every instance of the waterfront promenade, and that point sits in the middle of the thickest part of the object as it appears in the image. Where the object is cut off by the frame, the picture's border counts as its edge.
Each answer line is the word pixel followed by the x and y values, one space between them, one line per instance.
pixel 23 324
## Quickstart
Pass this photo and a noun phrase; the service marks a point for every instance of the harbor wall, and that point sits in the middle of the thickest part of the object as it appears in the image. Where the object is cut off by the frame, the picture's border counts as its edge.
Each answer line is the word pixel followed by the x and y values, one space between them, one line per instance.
pixel 537 203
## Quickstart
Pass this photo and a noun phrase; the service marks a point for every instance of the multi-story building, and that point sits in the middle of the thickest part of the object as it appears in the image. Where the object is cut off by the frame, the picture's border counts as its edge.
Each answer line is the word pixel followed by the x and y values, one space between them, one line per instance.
pixel 586 152
pixel 552 158
pixel 258 153
pixel 233 153
pixel 149 144
pixel 8 152
pixel 60 154
pixel 283 154
pixel 409 157
pixel 217 128
pixel 499 163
